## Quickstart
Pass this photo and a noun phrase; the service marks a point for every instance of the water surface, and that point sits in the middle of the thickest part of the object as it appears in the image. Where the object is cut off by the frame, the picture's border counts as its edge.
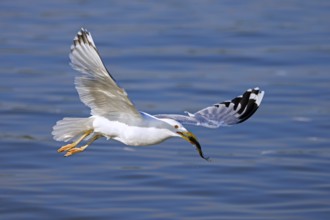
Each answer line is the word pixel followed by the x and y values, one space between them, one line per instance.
pixel 170 57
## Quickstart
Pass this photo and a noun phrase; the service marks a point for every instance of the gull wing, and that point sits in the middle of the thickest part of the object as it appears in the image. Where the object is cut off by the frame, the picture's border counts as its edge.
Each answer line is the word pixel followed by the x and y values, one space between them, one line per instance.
pixel 96 87
pixel 225 113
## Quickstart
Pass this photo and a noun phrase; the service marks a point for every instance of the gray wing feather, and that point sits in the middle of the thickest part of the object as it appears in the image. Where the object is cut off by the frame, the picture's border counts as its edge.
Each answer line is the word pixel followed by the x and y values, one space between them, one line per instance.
pixel 96 87
pixel 225 113
pixel 184 119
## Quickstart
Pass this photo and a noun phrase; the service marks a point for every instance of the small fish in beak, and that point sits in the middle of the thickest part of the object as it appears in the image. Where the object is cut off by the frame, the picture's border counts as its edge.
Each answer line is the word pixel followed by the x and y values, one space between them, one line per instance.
pixel 191 138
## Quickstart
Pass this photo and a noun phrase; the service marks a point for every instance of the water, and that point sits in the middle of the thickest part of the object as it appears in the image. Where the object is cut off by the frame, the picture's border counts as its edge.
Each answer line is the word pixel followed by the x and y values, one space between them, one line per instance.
pixel 170 56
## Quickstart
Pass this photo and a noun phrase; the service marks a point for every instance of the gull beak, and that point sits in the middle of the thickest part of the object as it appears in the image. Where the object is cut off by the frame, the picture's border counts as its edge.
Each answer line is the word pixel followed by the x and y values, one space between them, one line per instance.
pixel 191 138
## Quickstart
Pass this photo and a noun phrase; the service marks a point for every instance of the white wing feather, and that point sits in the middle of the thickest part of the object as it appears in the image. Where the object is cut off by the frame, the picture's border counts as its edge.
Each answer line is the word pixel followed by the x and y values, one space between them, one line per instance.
pixel 225 113
pixel 96 87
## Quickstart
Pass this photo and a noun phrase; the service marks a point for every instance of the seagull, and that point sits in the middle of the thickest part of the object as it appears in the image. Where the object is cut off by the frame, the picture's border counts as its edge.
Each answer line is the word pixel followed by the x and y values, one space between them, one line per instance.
pixel 114 116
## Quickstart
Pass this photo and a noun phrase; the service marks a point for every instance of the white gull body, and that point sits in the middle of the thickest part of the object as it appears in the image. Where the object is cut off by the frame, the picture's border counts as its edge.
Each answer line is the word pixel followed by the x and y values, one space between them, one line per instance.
pixel 148 131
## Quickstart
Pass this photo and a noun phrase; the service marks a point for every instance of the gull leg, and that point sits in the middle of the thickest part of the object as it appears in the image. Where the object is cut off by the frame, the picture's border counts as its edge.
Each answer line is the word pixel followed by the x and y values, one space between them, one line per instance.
pixel 82 148
pixel 74 144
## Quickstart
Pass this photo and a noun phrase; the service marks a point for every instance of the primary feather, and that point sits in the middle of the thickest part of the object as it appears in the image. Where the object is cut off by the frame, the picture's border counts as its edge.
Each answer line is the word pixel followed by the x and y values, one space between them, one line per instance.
pixel 225 113
pixel 96 87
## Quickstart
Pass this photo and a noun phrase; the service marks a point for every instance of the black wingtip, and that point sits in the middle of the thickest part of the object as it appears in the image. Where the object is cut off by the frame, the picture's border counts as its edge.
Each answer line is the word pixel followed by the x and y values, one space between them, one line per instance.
pixel 250 103
pixel 247 104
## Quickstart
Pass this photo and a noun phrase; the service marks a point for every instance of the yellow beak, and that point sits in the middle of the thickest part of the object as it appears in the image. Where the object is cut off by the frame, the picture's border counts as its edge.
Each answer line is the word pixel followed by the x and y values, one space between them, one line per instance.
pixel 191 138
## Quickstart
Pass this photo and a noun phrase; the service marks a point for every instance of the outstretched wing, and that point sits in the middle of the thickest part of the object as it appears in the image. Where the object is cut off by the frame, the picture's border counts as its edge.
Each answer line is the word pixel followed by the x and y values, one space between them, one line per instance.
pixel 225 113
pixel 96 87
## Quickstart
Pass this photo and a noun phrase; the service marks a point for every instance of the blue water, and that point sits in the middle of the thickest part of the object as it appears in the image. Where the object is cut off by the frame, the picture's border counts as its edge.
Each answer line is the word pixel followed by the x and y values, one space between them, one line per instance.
pixel 170 56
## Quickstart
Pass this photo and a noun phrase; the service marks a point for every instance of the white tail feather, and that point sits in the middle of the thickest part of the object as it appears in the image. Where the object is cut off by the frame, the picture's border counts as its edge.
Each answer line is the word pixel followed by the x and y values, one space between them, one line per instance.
pixel 69 128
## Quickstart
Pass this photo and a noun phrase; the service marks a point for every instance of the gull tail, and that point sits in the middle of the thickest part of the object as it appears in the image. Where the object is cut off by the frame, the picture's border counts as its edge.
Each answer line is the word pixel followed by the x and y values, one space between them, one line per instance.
pixel 71 128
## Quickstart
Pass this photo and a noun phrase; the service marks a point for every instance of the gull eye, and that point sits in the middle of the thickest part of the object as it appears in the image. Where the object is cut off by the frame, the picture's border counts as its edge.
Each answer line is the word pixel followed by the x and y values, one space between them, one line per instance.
pixel 176 126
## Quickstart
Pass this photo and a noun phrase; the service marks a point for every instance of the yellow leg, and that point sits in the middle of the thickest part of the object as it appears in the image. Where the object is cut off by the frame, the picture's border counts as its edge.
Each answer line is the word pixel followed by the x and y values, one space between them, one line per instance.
pixel 82 148
pixel 74 144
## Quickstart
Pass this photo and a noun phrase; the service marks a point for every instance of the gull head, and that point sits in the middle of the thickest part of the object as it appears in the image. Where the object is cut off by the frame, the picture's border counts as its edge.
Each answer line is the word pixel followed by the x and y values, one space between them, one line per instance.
pixel 178 130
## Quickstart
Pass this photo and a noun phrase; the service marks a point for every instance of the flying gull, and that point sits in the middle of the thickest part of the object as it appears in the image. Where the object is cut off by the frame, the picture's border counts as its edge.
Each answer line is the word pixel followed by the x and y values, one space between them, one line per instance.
pixel 114 116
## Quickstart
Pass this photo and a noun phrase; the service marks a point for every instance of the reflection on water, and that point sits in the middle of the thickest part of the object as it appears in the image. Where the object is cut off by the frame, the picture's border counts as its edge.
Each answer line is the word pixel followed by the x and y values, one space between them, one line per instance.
pixel 170 57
